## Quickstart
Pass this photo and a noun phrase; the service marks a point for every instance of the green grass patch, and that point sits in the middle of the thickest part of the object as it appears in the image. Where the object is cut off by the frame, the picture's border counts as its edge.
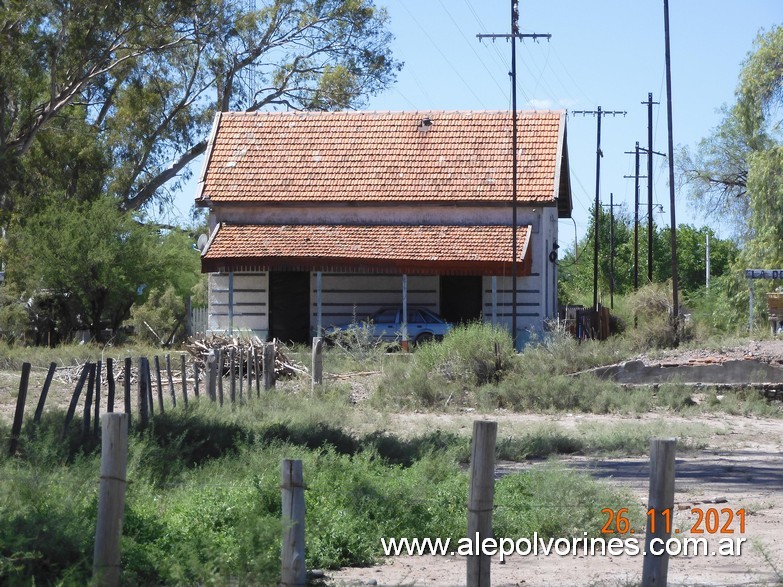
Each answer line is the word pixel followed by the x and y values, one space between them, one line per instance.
pixel 203 505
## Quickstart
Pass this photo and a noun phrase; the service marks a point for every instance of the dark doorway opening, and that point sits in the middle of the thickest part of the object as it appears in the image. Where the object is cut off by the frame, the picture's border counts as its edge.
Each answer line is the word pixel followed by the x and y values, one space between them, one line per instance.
pixel 289 306
pixel 460 298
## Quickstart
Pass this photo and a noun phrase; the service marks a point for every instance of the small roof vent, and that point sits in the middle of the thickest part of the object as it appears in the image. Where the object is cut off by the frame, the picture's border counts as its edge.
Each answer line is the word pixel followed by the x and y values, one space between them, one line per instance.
pixel 425 124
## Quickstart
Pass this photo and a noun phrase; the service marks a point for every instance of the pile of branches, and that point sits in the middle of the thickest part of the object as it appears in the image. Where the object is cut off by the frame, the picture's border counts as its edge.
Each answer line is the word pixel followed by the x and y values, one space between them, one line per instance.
pixel 211 346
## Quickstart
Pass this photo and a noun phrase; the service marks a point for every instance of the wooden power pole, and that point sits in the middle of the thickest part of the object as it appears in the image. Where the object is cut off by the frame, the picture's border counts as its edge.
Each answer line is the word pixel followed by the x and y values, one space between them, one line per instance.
pixel 514 35
pixel 599 114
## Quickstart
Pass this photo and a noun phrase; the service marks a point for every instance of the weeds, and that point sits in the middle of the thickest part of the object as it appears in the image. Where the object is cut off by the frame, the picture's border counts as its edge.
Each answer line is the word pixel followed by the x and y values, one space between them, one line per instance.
pixel 203 505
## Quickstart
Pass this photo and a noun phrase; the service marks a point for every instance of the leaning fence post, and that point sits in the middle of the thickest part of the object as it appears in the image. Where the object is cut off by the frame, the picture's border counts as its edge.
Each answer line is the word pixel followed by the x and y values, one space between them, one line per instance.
pixel 111 500
pixel 480 500
pixel 317 370
pixel 655 570
pixel 269 366
pixel 44 392
pixel 16 429
pixel 88 400
pixel 75 398
pixel 294 572
pixel 159 381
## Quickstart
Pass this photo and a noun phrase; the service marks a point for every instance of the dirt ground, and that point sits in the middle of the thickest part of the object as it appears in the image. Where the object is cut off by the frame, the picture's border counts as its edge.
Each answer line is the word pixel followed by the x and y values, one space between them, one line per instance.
pixel 741 467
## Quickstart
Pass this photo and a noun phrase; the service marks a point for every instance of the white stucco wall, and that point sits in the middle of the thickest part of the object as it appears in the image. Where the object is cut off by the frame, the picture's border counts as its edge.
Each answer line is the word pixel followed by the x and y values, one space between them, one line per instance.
pixel 345 295
pixel 249 312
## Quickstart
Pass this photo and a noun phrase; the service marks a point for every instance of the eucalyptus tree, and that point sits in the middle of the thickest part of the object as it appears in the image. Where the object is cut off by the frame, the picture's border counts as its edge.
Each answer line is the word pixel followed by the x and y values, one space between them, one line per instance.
pixel 148 76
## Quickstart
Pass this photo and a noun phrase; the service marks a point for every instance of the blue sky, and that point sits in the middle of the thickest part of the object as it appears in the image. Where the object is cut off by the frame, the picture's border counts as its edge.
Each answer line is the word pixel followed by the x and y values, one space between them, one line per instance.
pixel 608 54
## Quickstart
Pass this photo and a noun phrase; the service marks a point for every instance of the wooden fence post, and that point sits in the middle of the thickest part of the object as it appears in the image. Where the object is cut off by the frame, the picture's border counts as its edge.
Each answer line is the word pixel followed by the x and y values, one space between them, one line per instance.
pixel 241 368
pixel 232 381
pixel 127 386
pixel 97 414
pixel 111 500
pixel 110 385
pixel 317 370
pixel 220 364
pixel 256 366
pixel 655 570
pixel 44 392
pixel 212 376
pixel 171 380
pixel 88 400
pixel 148 380
pixel 269 366
pixel 480 500
pixel 293 572
pixel 183 366
pixel 75 398
pixel 159 381
pixel 16 428
pixel 195 378
pixel 143 393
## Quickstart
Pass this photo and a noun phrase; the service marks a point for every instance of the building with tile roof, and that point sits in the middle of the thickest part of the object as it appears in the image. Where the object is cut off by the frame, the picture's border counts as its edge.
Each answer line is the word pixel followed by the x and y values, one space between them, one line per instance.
pixel 319 218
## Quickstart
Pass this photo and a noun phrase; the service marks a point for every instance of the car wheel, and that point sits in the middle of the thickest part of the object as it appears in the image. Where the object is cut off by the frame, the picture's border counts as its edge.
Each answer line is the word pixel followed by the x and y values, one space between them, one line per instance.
pixel 423 337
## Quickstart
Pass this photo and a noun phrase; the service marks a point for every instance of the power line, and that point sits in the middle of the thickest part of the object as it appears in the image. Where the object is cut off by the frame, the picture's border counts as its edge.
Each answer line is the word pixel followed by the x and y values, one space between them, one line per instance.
pixel 599 114
pixel 514 35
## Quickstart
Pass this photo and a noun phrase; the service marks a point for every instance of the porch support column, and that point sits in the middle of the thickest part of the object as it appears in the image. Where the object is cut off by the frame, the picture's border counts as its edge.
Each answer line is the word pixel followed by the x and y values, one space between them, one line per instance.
pixel 230 303
pixel 404 312
pixel 318 304
pixel 494 299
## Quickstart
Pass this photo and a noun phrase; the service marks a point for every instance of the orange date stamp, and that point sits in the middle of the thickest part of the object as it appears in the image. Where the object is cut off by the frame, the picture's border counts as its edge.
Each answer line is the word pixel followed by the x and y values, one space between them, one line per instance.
pixel 707 521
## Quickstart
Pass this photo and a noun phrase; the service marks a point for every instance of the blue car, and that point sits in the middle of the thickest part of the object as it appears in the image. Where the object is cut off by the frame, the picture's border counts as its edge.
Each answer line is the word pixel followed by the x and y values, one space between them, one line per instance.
pixel 423 325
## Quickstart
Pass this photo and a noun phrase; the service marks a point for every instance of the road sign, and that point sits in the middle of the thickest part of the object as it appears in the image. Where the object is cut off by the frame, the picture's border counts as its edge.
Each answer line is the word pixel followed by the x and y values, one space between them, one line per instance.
pixel 764 273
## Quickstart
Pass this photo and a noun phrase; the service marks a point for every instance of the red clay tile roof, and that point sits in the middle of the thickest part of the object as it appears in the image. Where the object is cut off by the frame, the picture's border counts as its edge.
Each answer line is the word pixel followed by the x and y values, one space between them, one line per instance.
pixel 413 249
pixel 384 157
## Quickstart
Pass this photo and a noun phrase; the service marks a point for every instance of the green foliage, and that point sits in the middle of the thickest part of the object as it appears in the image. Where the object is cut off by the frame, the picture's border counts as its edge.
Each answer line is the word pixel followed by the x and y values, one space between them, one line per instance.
pixel 204 503
pixel 94 261
pixel 91 254
pixel 154 72
pixel 551 502
pixel 440 371
pixel 575 276
pixel 13 314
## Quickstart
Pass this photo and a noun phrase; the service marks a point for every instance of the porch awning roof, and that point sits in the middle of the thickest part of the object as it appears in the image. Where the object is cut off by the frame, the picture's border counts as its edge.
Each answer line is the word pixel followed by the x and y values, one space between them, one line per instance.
pixel 438 250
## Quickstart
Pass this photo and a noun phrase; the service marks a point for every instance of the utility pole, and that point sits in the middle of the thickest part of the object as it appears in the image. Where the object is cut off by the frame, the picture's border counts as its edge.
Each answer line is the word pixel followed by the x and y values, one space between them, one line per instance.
pixel 598 154
pixel 513 36
pixel 675 276
pixel 650 152
pixel 637 177
pixel 611 249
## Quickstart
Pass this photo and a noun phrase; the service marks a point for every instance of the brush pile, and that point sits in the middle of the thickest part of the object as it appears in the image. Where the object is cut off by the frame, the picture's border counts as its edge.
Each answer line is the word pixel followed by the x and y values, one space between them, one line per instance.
pixel 248 350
